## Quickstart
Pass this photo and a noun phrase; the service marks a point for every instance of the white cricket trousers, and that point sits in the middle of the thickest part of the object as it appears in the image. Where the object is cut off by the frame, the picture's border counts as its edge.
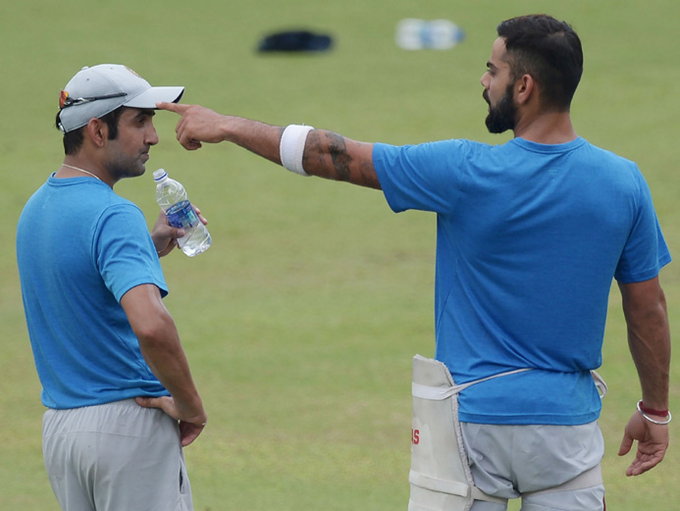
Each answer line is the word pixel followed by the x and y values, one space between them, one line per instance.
pixel 115 457
pixel 535 463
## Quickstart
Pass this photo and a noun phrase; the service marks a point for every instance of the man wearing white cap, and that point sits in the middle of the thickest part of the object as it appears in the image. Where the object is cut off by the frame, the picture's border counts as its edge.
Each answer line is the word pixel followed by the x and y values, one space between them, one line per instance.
pixel 119 394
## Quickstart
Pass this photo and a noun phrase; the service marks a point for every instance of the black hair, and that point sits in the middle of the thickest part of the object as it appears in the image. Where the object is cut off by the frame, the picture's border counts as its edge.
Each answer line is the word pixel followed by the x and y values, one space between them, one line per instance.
pixel 547 49
pixel 74 139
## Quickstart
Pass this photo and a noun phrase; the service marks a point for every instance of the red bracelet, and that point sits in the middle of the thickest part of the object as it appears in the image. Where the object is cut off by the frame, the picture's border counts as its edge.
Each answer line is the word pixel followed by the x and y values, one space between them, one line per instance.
pixel 652 411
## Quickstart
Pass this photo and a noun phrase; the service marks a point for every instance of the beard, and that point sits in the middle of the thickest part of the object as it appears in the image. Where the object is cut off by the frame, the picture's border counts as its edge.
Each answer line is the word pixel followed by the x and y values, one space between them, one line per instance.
pixel 124 163
pixel 121 170
pixel 502 116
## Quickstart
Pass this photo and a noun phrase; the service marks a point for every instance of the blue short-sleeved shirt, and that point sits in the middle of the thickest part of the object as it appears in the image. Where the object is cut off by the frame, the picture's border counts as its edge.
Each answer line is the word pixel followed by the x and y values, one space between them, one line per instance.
pixel 529 237
pixel 80 248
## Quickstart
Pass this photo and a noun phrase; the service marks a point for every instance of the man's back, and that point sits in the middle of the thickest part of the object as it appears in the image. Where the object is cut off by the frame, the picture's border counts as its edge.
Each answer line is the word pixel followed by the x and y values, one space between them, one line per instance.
pixel 529 238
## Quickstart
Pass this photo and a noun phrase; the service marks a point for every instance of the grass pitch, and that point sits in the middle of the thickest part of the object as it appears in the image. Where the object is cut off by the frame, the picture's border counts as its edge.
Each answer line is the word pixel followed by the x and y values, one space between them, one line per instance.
pixel 301 320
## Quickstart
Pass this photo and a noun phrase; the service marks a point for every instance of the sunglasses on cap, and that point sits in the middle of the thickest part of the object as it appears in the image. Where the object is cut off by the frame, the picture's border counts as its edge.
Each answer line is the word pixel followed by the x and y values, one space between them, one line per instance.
pixel 65 100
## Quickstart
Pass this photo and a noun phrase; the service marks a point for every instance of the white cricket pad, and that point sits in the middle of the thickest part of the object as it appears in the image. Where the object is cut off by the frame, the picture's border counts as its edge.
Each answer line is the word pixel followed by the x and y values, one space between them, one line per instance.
pixel 440 475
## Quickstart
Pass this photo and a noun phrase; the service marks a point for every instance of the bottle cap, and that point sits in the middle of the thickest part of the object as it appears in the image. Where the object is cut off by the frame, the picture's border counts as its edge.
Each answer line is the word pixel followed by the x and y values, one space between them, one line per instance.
pixel 159 175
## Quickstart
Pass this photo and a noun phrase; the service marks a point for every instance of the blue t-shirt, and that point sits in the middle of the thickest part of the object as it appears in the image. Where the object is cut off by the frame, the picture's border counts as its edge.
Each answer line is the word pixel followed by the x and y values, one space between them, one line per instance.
pixel 529 237
pixel 80 248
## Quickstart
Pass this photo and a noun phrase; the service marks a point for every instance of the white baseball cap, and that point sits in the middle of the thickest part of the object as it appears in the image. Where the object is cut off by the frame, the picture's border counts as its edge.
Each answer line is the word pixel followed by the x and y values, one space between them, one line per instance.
pixel 95 91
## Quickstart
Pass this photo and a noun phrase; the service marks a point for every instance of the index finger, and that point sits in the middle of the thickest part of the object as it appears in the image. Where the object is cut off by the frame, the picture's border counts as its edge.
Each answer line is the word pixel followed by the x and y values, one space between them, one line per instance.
pixel 172 107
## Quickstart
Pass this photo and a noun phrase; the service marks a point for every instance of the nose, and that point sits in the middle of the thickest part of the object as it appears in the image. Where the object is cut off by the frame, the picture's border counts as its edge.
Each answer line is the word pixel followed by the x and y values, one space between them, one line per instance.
pixel 151 135
pixel 484 80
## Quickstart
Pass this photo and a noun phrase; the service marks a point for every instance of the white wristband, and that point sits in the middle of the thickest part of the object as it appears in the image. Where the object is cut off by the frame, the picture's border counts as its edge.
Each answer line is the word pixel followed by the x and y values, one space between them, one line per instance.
pixel 292 146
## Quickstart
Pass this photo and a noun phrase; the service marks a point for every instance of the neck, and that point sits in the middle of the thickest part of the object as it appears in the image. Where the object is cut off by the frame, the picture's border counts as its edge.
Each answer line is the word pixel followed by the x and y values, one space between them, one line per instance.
pixel 546 128
pixel 79 167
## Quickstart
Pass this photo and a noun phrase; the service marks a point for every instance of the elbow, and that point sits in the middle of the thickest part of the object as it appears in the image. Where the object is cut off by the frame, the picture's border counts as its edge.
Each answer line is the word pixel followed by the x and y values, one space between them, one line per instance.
pixel 153 332
pixel 644 300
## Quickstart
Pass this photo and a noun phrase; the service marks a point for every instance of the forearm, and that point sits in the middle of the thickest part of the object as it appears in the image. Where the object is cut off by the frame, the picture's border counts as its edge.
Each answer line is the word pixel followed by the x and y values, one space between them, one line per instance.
pixel 326 154
pixel 258 137
pixel 649 343
pixel 650 349
pixel 167 360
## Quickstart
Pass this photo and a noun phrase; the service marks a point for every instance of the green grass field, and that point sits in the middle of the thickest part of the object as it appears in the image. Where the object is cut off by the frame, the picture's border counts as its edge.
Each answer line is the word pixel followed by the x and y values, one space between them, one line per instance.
pixel 301 320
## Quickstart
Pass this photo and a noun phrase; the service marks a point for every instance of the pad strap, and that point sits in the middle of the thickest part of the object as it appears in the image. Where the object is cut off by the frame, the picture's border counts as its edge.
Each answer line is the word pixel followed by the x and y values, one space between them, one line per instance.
pixel 451 487
pixel 441 393
pixel 588 479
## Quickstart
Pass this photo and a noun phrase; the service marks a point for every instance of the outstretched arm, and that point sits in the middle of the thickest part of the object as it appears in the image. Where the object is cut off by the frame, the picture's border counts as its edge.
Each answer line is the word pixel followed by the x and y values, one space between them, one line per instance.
pixel 326 154
pixel 644 306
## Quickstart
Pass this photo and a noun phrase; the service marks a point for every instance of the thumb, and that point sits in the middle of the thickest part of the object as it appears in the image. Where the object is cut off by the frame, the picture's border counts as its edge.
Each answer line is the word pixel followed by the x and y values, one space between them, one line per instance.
pixel 177 232
pixel 626 444
pixel 172 107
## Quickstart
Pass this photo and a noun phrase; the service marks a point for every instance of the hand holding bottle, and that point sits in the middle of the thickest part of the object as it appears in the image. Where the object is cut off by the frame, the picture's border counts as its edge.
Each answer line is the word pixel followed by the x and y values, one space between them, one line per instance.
pixel 165 236
pixel 181 215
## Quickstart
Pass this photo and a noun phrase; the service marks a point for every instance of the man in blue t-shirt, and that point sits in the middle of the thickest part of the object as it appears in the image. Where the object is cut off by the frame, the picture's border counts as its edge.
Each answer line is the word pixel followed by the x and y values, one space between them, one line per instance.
pixel 120 397
pixel 530 235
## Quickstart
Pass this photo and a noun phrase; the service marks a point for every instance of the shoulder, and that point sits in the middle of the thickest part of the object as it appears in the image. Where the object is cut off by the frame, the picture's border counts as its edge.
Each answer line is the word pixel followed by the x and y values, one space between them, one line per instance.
pixel 118 206
pixel 120 217
pixel 609 157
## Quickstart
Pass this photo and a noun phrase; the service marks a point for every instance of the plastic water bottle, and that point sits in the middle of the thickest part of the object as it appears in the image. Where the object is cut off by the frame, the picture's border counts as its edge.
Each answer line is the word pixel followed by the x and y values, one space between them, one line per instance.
pixel 417 34
pixel 173 200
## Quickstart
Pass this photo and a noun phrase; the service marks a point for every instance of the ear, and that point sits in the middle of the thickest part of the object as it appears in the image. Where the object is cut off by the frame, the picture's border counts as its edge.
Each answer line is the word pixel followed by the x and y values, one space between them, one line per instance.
pixel 525 88
pixel 97 131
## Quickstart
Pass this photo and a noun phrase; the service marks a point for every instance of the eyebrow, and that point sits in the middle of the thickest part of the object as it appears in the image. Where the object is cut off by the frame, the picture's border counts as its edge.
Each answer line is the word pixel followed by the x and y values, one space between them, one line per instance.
pixel 146 112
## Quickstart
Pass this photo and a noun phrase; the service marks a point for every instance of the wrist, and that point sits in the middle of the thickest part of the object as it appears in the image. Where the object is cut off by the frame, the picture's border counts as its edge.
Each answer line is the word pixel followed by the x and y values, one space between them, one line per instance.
pixel 659 417
pixel 653 411
pixel 224 132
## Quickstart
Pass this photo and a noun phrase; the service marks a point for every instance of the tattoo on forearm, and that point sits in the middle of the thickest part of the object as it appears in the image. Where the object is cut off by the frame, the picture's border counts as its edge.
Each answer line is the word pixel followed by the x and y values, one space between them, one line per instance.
pixel 341 160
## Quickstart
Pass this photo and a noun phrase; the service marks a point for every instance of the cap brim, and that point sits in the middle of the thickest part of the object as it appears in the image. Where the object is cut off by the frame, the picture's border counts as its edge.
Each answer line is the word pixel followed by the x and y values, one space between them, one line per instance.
pixel 153 95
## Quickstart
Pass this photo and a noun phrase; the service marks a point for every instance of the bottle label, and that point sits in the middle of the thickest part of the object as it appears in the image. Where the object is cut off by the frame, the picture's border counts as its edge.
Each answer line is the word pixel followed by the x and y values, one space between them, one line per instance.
pixel 182 215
